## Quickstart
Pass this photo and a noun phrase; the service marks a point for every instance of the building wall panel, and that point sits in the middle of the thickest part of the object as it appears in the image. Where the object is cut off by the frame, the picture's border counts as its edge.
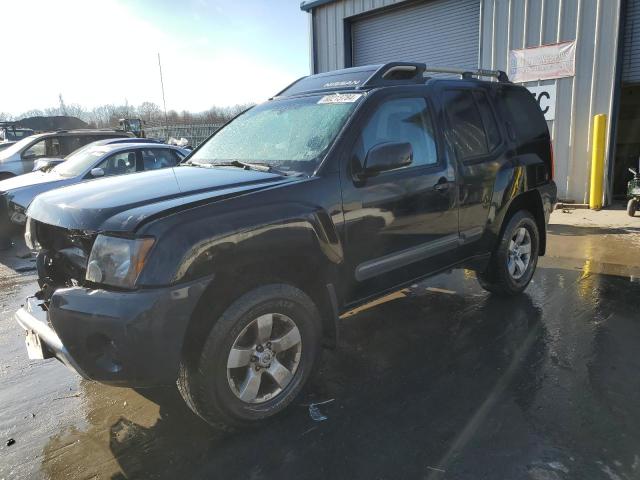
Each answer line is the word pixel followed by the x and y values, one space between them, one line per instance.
pixel 512 24
pixel 594 23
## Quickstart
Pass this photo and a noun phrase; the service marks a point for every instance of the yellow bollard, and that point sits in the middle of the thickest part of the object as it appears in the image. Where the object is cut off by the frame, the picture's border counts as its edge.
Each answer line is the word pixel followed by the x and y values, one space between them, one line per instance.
pixel 597 161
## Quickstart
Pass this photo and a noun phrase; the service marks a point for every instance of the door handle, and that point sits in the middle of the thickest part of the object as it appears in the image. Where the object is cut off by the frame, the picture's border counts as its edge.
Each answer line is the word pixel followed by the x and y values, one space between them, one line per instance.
pixel 442 185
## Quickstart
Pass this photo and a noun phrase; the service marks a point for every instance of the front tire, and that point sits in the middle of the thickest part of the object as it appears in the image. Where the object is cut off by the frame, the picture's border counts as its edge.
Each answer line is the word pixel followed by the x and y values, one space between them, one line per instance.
pixel 256 359
pixel 632 207
pixel 514 261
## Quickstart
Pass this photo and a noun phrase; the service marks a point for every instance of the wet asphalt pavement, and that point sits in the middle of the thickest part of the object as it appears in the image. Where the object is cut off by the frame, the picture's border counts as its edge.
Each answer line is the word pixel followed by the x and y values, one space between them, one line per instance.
pixel 438 381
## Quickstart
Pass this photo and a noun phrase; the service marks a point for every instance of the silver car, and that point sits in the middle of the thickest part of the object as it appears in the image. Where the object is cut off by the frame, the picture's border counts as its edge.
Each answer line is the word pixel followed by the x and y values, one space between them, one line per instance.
pixel 88 163
pixel 20 157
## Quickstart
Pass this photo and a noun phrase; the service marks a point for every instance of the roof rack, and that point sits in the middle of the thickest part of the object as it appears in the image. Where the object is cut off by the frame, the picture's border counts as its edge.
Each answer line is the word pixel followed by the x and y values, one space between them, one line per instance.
pixel 369 76
pixel 396 72
pixel 500 75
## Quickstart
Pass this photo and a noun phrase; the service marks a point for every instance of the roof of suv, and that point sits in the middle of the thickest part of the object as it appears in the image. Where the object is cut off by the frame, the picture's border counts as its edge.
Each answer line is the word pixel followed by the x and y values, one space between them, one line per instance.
pixel 384 75
pixel 80 132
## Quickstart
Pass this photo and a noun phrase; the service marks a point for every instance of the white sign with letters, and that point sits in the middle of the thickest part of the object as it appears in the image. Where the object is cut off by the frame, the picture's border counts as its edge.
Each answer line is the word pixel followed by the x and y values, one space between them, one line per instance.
pixel 546 98
pixel 543 63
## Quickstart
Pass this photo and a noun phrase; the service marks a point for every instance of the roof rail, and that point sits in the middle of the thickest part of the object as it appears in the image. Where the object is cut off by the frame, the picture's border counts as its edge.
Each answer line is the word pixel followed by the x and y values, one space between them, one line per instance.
pixel 464 73
pixel 396 72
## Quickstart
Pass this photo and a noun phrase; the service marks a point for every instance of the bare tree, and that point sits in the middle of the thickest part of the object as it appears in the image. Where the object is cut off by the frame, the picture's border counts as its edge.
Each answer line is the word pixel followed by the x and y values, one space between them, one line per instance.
pixel 108 115
pixel 150 113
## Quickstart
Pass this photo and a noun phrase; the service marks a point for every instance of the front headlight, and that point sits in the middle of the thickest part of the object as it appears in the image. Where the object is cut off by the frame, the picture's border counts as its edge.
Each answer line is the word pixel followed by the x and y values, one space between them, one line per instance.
pixel 18 214
pixel 30 235
pixel 117 261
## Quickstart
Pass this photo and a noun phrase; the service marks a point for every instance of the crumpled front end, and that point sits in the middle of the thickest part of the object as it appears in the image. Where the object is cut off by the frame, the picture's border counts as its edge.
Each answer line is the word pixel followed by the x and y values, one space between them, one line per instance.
pixel 62 255
pixel 131 338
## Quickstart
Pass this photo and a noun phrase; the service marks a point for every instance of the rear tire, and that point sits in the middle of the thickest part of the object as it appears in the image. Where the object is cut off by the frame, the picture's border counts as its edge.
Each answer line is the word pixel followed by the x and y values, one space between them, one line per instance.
pixel 632 207
pixel 246 373
pixel 6 175
pixel 514 261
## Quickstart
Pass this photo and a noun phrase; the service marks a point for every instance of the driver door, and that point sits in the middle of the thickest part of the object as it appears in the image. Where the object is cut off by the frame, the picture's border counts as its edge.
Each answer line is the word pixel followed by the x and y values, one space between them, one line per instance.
pixel 400 224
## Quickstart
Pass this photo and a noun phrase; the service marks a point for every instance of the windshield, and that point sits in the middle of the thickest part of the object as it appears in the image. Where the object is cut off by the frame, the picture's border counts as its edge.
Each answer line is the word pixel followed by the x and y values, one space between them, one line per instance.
pixel 288 135
pixel 17 134
pixel 17 147
pixel 79 161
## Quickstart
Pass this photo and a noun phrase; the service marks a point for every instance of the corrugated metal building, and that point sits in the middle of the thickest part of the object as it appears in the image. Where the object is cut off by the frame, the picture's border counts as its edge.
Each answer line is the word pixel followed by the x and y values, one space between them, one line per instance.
pixel 481 33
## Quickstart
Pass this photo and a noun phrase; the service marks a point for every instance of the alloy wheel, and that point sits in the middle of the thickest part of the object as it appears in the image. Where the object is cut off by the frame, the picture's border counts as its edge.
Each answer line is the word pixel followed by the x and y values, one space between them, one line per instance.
pixel 519 254
pixel 264 358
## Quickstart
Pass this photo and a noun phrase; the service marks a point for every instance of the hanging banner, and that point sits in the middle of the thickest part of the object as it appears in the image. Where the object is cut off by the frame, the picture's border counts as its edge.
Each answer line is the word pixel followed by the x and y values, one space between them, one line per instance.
pixel 543 63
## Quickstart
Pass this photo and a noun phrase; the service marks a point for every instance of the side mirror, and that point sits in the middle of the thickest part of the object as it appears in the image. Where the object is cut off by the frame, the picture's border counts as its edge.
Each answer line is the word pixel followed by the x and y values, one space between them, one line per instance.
pixel 97 172
pixel 40 165
pixel 387 156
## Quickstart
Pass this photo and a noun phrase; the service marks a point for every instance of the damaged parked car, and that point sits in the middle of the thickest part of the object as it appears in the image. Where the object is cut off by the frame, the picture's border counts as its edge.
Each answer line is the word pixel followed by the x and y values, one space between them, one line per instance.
pixel 103 159
pixel 228 273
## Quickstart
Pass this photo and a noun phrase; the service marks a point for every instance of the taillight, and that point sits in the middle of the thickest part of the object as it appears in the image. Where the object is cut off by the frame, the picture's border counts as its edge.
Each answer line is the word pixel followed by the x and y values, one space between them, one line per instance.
pixel 553 166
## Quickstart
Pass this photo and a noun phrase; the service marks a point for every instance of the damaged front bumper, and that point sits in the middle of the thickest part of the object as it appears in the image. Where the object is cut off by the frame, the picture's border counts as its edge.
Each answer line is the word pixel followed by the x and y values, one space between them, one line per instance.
pixel 121 338
pixel 33 318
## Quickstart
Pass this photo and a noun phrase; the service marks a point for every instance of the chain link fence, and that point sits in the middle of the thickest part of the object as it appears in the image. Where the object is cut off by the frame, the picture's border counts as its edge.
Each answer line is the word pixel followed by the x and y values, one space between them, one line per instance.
pixel 195 134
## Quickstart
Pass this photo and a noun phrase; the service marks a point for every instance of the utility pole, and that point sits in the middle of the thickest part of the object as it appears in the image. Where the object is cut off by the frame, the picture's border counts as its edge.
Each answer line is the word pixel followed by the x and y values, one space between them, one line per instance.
pixel 164 103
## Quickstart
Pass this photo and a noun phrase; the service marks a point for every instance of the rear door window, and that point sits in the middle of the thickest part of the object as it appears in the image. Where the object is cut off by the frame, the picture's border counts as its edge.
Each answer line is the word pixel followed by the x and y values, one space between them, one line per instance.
pixel 71 143
pixel 53 147
pixel 488 119
pixel 156 158
pixel 466 132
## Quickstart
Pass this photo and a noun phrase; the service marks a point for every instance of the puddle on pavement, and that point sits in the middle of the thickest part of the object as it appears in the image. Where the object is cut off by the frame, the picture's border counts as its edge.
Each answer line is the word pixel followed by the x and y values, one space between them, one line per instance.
pixel 437 377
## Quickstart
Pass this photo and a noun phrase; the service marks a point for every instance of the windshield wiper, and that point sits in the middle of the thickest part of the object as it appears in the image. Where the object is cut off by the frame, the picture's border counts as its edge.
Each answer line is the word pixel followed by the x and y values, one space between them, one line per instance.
pixel 261 167
pixel 258 166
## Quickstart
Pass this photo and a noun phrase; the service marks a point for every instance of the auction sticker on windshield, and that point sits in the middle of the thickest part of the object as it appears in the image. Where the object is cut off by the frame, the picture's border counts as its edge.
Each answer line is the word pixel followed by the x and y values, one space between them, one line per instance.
pixel 340 98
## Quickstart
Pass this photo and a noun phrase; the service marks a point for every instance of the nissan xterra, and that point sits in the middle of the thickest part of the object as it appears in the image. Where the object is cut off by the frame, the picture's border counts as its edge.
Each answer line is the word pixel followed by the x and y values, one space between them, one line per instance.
pixel 228 273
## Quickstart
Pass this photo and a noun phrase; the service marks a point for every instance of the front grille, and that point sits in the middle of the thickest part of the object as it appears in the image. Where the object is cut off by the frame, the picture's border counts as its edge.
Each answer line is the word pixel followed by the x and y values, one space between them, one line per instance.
pixel 62 258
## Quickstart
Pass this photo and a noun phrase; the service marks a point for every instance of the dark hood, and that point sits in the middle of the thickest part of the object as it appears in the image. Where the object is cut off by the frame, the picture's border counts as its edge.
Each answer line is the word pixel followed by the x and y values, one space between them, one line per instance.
pixel 120 203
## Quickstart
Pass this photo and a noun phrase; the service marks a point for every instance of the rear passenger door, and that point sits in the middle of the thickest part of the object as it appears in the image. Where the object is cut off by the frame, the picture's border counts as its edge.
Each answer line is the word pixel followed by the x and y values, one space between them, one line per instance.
pixel 400 224
pixel 474 135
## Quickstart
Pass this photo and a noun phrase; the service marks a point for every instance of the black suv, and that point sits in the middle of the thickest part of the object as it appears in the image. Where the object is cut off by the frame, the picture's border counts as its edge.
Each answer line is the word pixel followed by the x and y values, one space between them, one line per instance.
pixel 227 274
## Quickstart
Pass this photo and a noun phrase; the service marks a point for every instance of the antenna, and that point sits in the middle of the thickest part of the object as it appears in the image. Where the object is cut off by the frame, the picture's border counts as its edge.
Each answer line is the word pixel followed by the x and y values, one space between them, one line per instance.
pixel 164 103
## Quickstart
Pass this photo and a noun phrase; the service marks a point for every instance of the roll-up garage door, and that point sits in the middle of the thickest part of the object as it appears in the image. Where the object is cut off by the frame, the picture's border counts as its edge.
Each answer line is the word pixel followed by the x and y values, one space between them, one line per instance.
pixel 631 63
pixel 436 32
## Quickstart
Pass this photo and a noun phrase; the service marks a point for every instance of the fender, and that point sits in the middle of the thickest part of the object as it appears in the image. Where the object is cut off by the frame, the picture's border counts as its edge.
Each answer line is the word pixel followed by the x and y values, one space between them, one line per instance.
pixel 523 177
pixel 256 228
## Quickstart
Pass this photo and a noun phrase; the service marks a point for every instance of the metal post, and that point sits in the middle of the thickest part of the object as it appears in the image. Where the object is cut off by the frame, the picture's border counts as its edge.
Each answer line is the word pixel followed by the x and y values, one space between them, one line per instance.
pixel 597 161
pixel 164 103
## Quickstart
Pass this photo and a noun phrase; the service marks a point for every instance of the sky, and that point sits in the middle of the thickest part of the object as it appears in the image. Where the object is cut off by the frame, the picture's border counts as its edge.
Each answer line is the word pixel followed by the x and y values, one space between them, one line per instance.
pixel 93 52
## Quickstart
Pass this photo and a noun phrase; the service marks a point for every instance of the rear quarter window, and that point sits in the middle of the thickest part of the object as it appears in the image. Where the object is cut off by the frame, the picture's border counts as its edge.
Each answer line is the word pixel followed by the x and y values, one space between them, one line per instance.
pixel 528 128
pixel 525 117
